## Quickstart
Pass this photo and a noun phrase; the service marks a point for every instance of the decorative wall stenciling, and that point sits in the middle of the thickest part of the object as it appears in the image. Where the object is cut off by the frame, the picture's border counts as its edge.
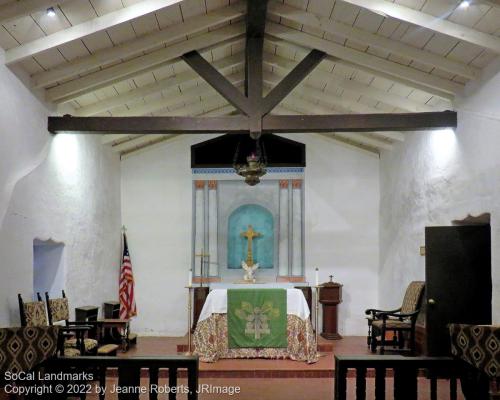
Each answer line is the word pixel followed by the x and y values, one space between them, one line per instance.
pixel 224 207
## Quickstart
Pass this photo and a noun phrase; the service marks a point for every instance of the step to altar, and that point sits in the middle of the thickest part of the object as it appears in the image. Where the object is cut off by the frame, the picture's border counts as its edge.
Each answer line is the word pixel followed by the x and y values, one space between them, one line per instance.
pixel 322 348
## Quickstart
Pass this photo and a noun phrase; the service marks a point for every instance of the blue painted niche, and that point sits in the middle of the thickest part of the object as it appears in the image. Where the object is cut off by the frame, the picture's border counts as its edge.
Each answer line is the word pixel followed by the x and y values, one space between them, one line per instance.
pixel 262 221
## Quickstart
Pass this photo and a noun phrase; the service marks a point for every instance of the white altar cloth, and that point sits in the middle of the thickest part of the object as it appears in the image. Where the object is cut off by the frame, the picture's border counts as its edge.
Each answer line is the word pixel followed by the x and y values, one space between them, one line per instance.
pixel 216 303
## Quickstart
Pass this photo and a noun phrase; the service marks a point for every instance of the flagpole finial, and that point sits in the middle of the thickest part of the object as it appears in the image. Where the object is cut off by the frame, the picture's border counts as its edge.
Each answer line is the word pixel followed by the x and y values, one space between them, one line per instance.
pixel 124 229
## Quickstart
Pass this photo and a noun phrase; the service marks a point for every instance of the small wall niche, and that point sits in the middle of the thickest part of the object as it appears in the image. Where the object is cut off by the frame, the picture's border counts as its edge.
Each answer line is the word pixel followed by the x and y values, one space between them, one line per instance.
pixel 48 267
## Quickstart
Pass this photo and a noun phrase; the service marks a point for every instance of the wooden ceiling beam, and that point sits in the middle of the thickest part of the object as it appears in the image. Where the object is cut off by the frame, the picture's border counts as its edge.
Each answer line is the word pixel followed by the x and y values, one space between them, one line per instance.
pixel 220 38
pixel 366 38
pixel 346 105
pixel 254 52
pixel 270 123
pixel 307 107
pixel 364 59
pixel 367 69
pixel 141 142
pixel 436 24
pixel 18 9
pixel 148 125
pixel 360 122
pixel 168 86
pixel 291 80
pixel 282 65
pixel 218 81
pixel 167 36
pixel 187 96
pixel 353 140
pixel 86 28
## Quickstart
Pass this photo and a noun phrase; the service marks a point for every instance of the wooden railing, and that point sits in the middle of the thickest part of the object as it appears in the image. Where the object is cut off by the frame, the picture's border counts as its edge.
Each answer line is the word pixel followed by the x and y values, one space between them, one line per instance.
pixel 404 370
pixel 129 375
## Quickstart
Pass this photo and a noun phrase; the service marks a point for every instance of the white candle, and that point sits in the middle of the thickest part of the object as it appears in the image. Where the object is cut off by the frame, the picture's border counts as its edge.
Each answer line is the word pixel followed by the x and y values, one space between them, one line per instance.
pixel 190 281
pixel 317 277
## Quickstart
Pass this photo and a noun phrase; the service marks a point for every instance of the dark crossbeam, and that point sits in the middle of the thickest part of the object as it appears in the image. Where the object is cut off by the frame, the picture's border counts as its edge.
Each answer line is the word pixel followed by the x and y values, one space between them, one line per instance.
pixel 148 125
pixel 359 122
pixel 270 123
pixel 218 81
pixel 289 82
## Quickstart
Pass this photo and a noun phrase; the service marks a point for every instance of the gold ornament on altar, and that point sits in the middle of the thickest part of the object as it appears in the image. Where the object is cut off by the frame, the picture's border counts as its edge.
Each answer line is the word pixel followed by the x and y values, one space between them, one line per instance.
pixel 249 266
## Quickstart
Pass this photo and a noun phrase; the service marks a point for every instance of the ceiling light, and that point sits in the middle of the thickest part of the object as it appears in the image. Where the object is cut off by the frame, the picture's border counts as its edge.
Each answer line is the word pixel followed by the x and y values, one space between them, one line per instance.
pixel 51 12
pixel 464 4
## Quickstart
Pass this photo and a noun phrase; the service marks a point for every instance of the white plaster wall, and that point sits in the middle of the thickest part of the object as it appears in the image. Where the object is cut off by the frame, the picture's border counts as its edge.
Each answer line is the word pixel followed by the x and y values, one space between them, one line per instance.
pixel 341 231
pixel 342 225
pixel 66 188
pixel 436 177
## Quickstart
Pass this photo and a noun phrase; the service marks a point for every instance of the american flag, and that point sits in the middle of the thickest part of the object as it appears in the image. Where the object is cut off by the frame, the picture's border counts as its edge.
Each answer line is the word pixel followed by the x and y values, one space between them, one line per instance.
pixel 127 300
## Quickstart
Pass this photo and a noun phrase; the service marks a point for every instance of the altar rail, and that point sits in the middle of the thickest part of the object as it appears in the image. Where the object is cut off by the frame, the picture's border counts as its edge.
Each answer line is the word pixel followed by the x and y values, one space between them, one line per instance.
pixel 405 371
pixel 129 372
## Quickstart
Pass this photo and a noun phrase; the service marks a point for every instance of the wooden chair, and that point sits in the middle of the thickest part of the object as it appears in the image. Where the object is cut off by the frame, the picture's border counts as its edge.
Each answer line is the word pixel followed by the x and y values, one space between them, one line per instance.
pixel 58 311
pixel 33 314
pixel 400 321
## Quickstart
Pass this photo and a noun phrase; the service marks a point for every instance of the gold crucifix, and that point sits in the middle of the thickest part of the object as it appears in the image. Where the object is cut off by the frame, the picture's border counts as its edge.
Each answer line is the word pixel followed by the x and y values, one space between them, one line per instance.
pixel 250 234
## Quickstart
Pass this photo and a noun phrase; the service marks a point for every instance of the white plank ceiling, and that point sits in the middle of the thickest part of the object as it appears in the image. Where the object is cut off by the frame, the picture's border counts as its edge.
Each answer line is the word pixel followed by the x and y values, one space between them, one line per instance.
pixel 122 57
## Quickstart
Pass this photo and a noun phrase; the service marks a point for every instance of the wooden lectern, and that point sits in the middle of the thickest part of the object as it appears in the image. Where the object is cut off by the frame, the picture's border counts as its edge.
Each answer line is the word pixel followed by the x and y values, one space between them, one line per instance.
pixel 330 295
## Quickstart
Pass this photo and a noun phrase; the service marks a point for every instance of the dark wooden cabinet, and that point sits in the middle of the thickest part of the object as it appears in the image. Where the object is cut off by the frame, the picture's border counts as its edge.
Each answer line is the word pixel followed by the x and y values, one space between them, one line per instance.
pixel 330 296
pixel 458 284
pixel 200 295
pixel 111 309
pixel 307 291
pixel 86 313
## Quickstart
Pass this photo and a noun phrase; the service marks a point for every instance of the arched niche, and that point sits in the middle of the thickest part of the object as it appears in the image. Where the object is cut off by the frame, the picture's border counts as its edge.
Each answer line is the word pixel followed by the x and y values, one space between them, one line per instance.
pixel 262 221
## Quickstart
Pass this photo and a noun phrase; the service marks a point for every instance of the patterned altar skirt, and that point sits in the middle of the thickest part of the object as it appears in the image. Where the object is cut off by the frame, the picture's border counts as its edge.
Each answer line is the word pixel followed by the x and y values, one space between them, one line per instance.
pixel 211 341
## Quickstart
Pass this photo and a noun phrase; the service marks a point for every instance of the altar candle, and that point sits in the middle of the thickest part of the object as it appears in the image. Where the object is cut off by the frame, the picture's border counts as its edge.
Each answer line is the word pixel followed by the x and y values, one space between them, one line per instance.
pixel 317 277
pixel 190 280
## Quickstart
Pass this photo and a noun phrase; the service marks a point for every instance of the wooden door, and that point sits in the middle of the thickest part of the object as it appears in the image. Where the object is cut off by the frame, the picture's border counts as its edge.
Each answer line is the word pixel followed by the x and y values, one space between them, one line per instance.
pixel 458 281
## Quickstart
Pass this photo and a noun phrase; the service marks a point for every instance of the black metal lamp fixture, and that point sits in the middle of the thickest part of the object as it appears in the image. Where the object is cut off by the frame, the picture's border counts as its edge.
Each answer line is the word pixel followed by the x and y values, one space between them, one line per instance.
pixel 255 166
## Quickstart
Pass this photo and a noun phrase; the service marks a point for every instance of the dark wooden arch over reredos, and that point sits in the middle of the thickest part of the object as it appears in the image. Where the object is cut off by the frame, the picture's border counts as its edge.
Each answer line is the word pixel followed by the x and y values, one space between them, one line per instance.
pixel 220 152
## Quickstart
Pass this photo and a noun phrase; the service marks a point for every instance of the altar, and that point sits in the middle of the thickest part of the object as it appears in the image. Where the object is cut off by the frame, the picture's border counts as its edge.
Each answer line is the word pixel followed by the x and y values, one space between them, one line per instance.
pixel 211 338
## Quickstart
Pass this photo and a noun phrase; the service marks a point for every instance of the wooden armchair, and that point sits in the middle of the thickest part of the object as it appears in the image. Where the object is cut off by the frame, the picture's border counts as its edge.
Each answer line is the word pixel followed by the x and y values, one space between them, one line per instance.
pixel 58 311
pixel 400 320
pixel 33 314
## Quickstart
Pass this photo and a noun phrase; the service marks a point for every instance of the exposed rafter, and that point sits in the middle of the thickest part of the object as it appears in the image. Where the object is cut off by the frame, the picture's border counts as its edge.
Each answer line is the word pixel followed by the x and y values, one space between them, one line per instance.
pixel 169 35
pixel 364 59
pixel 291 80
pixel 436 24
pixel 370 39
pixel 18 9
pixel 86 28
pixel 283 65
pixel 217 81
pixel 196 92
pixel 219 38
pixel 168 86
